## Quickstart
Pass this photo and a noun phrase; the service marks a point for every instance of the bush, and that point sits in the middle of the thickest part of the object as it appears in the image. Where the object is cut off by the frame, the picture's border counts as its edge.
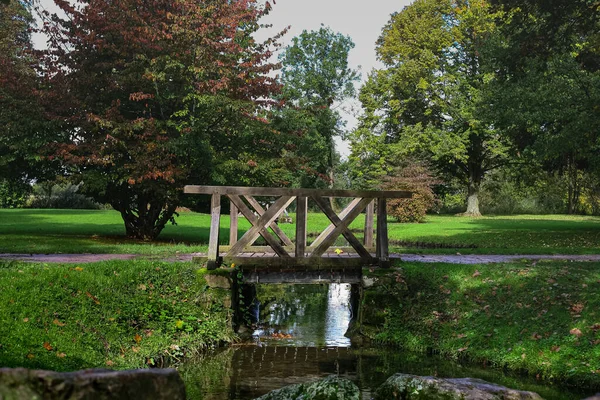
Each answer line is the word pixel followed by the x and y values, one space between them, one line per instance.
pixel 13 194
pixel 60 195
pixel 417 178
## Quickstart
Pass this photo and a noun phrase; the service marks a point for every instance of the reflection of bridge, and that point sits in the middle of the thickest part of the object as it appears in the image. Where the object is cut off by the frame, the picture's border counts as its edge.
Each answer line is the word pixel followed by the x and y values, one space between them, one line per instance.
pixel 283 253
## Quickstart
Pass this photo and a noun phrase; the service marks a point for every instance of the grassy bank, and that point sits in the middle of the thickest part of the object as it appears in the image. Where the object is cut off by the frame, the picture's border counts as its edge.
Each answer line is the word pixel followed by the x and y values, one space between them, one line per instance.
pixel 541 318
pixel 92 231
pixel 110 314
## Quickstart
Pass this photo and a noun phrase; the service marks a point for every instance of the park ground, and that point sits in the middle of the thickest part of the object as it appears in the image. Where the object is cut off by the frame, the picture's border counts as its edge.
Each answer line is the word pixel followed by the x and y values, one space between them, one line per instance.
pixel 539 318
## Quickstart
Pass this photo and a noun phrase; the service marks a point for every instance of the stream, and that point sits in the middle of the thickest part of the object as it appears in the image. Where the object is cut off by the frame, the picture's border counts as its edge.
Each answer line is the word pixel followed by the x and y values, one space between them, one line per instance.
pixel 299 337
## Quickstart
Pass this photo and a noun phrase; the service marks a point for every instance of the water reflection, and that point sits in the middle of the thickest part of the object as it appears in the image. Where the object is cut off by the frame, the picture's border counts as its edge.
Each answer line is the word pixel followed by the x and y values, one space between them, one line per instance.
pixel 300 337
pixel 303 315
pixel 248 372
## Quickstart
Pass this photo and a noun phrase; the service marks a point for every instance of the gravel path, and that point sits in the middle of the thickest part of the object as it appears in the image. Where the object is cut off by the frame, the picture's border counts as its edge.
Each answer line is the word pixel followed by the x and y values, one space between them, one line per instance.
pixel 431 258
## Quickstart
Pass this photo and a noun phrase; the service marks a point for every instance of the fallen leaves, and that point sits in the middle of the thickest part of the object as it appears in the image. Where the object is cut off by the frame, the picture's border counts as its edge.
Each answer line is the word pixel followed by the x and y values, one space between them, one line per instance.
pixel 58 323
pixel 48 346
pixel 476 274
pixel 576 308
pixel 576 332
pixel 137 338
pixel 94 298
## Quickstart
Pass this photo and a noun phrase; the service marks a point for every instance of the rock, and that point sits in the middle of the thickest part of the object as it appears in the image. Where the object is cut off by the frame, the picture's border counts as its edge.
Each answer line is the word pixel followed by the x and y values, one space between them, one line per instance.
pixel 368 281
pixel 24 384
pixel 331 388
pixel 218 281
pixel 407 387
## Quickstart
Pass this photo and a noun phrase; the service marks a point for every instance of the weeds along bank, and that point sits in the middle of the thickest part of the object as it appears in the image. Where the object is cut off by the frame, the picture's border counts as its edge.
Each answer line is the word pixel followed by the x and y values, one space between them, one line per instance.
pixel 538 318
pixel 117 314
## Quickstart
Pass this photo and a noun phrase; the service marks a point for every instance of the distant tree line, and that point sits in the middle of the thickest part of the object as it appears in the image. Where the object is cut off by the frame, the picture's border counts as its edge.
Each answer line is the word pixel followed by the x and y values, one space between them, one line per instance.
pixel 504 92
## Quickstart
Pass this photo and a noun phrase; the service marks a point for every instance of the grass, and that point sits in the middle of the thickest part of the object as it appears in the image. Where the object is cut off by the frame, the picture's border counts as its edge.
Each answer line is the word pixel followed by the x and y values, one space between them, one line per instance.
pixel 543 318
pixel 111 314
pixel 90 231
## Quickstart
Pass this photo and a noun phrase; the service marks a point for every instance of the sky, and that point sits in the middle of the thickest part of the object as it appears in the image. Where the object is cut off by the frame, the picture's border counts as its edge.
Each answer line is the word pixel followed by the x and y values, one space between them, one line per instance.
pixel 362 20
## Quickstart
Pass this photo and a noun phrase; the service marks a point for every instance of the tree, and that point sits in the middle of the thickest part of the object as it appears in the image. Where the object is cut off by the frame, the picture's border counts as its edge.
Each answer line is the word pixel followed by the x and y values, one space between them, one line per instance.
pixel 547 89
pixel 23 127
pixel 428 100
pixel 315 75
pixel 157 94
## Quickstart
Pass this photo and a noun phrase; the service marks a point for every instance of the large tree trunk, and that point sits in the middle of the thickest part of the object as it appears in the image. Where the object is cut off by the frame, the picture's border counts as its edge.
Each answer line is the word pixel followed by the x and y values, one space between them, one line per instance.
pixel 473 201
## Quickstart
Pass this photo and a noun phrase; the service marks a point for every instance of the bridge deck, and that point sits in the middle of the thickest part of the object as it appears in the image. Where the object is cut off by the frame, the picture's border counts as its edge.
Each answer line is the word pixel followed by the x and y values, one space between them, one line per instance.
pixel 285 252
pixel 270 261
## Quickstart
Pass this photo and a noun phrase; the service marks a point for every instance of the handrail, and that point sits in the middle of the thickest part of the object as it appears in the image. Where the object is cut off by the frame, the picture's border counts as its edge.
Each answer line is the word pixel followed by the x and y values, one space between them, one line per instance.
pixel 266 191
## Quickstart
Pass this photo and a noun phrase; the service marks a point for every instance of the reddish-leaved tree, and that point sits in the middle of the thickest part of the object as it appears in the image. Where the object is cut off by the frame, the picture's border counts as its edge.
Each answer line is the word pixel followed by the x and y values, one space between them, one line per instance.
pixel 150 92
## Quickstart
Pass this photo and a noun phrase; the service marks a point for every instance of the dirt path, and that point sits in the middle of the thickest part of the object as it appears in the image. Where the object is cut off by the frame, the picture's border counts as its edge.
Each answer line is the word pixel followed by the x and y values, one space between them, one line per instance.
pixel 424 258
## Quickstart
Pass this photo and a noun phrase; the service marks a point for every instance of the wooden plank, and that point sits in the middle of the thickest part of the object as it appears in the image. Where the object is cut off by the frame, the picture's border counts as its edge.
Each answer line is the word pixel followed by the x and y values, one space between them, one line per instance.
pixel 262 231
pixel 213 241
pixel 233 224
pixel 262 191
pixel 351 276
pixel 301 215
pixel 286 241
pixel 341 227
pixel 266 219
pixel 290 249
pixel 299 264
pixel 383 253
pixel 331 227
pixel 369 224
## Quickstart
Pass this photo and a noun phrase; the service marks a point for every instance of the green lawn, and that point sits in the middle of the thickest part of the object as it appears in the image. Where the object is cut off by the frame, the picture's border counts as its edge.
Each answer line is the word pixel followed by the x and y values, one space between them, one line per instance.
pixel 542 318
pixel 110 314
pixel 76 231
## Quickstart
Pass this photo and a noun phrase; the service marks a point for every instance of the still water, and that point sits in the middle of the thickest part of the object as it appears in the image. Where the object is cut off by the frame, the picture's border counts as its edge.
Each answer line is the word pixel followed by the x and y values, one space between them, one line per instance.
pixel 299 337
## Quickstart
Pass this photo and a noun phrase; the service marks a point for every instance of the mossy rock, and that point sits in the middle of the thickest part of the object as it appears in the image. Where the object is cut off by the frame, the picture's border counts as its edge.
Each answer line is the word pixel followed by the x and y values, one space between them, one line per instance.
pixel 331 388
pixel 412 387
pixel 220 278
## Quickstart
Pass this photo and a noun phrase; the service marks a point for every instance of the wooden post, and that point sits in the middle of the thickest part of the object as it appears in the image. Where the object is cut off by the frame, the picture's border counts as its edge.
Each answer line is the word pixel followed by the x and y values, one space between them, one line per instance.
pixel 369 223
pixel 233 224
pixel 383 253
pixel 301 215
pixel 213 242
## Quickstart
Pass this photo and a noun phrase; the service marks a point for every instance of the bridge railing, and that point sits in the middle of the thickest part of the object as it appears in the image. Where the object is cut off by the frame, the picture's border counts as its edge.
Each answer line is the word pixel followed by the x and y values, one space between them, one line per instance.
pixel 281 251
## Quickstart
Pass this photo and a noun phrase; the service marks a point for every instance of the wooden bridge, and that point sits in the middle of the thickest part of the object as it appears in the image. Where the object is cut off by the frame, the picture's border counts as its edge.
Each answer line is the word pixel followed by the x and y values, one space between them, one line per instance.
pixel 281 253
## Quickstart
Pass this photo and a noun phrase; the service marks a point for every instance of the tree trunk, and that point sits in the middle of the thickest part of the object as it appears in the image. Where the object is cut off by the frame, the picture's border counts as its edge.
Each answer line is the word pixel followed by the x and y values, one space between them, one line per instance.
pixel 473 201
pixel 146 225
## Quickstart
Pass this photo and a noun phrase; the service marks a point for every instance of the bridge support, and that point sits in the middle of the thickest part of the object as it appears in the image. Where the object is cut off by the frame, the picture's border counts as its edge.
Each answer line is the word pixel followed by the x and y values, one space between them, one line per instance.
pixel 283 253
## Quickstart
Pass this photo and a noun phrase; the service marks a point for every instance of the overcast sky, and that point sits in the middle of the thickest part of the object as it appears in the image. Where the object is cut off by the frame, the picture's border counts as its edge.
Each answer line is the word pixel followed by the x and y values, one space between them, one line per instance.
pixel 361 20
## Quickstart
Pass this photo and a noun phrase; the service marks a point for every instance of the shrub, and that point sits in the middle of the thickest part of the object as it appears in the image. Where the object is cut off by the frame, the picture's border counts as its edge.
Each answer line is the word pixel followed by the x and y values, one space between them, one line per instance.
pixel 13 194
pixel 417 178
pixel 60 195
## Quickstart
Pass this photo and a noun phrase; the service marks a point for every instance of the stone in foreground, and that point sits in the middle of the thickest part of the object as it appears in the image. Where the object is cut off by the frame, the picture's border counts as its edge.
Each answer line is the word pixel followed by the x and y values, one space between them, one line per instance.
pixel 331 388
pixel 156 384
pixel 411 387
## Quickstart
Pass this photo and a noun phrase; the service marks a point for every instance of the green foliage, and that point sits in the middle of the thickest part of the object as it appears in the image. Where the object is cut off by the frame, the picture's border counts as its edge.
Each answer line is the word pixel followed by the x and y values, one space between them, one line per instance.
pixel 428 100
pixel 24 128
pixel 60 195
pixel 315 75
pixel 13 194
pixel 116 314
pixel 541 318
pixel 546 94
